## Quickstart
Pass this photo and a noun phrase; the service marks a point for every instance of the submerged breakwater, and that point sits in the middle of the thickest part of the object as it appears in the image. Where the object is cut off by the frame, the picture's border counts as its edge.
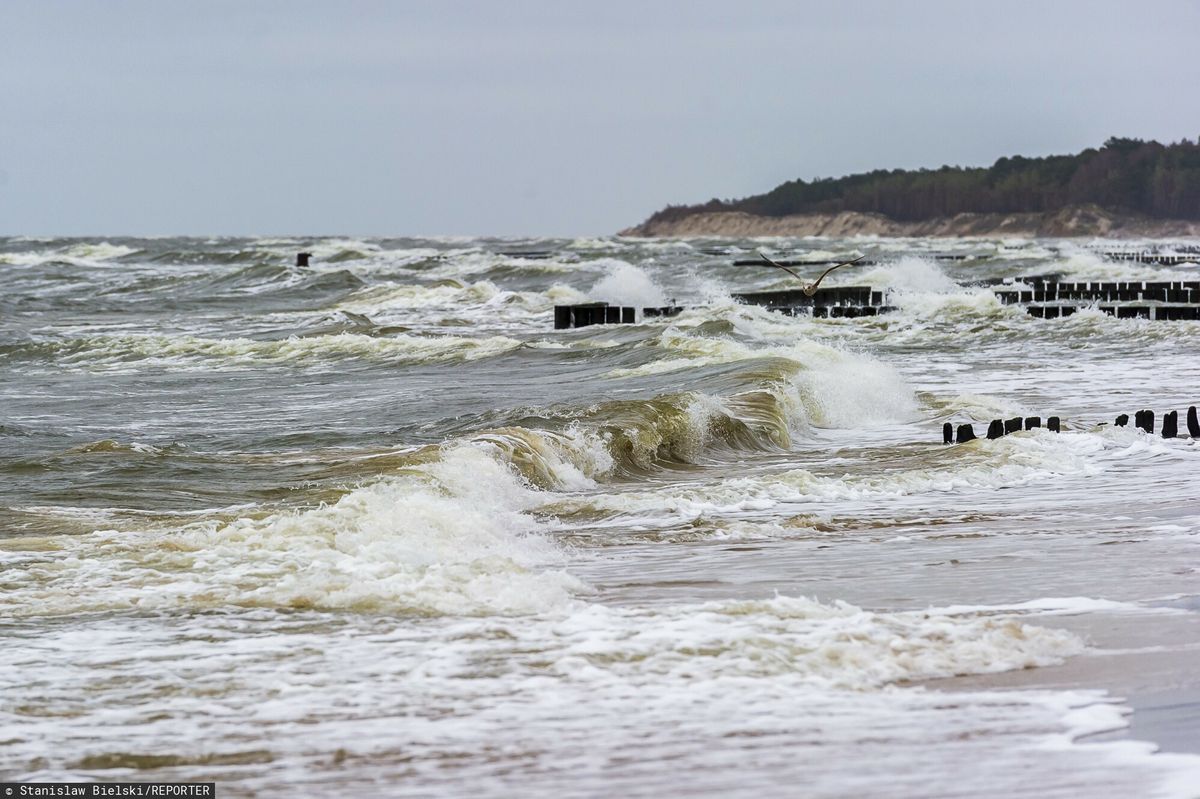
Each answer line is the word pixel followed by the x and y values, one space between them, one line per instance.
pixel 372 526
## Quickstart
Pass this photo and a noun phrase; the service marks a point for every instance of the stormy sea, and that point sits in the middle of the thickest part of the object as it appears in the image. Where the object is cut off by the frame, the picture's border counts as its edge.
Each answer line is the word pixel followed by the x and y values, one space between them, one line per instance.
pixel 372 526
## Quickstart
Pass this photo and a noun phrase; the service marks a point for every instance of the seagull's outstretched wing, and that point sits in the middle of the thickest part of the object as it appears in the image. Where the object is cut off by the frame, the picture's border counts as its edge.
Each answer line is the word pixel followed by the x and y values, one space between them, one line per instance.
pixel 810 290
pixel 780 266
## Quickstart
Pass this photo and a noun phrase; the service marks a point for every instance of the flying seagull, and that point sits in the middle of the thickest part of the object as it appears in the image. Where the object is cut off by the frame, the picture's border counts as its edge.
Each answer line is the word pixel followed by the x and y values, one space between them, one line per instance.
pixel 810 290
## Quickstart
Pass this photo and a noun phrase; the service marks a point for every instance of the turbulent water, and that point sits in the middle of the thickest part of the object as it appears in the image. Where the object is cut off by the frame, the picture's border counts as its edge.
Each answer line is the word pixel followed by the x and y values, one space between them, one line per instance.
pixel 372 527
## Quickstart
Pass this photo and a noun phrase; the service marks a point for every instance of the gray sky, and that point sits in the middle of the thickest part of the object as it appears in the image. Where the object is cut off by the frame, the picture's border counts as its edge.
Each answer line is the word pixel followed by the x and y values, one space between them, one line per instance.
pixel 515 118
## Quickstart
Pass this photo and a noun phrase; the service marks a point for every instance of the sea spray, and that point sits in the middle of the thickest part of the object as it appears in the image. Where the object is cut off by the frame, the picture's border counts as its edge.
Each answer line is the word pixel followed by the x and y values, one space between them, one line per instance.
pixel 628 285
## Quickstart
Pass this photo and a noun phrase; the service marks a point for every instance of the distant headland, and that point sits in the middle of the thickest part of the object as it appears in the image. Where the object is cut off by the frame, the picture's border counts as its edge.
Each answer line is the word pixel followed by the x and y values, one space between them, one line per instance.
pixel 1126 188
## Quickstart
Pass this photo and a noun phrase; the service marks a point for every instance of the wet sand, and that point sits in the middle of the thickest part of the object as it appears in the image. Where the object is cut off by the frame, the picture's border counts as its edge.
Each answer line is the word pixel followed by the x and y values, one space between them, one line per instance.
pixel 1147 661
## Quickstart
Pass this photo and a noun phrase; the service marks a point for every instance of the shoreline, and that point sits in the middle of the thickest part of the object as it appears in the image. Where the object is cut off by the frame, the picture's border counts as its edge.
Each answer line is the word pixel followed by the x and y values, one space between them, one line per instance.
pixel 1126 659
pixel 1081 221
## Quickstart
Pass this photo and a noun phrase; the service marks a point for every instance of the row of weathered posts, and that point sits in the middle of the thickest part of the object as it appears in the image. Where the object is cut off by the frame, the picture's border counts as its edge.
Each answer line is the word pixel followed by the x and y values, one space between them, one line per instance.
pixel 592 313
pixel 1044 289
pixel 1187 255
pixel 1143 420
pixel 1047 297
pixel 842 302
pixel 1043 296
pixel 997 429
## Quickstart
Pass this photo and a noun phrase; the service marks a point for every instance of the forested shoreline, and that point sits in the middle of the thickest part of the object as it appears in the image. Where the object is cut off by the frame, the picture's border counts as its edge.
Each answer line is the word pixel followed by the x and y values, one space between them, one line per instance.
pixel 1124 176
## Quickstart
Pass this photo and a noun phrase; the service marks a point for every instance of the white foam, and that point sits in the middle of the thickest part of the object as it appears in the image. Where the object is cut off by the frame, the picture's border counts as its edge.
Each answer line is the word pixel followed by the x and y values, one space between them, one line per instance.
pixel 833 645
pixel 390 295
pixel 628 285
pixel 831 387
pixel 83 255
pixel 853 392
pixel 101 251
pixel 910 273
pixel 743 695
pixel 1059 606
pixel 1078 263
pixel 449 537
pixel 28 258
pixel 1006 462
pixel 593 244
pixel 130 352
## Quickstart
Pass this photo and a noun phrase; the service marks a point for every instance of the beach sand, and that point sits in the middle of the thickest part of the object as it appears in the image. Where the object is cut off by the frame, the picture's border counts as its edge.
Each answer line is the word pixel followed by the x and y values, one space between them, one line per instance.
pixel 1145 661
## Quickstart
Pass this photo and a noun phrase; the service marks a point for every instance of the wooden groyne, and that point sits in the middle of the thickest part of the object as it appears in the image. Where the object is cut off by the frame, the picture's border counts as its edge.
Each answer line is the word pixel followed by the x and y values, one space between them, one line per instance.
pixel 1043 296
pixel 1178 291
pixel 997 428
pixel 834 296
pixel 1143 420
pixel 599 313
pixel 592 313
pixel 1158 313
pixel 826 262
pixel 842 302
pixel 1186 255
pixel 1048 297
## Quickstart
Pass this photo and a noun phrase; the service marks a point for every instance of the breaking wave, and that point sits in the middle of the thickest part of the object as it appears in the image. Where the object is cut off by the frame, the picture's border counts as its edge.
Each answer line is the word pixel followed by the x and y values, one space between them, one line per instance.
pixel 195 352
pixel 1008 462
pixel 449 536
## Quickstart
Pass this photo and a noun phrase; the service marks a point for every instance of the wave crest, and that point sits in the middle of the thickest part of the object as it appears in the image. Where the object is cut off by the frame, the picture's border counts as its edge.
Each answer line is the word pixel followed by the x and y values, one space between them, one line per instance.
pixel 119 352
pixel 448 536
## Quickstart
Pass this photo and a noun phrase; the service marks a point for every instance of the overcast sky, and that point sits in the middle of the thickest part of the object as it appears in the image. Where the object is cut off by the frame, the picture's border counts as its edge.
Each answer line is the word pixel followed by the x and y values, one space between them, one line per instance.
pixel 514 118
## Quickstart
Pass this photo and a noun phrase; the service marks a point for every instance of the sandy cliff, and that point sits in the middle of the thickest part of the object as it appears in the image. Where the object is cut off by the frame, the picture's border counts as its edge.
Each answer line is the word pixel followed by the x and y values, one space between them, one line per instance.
pixel 1077 221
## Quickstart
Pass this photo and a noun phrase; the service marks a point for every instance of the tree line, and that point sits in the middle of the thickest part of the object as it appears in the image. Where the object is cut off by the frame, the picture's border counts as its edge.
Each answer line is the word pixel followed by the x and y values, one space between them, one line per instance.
pixel 1124 176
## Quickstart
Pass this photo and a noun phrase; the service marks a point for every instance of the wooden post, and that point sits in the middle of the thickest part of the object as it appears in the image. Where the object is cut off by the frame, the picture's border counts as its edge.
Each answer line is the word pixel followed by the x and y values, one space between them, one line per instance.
pixel 947 433
pixel 1192 423
pixel 1170 425
pixel 1052 424
pixel 995 429
pixel 966 433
